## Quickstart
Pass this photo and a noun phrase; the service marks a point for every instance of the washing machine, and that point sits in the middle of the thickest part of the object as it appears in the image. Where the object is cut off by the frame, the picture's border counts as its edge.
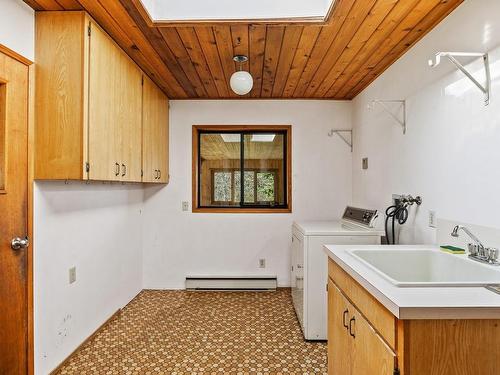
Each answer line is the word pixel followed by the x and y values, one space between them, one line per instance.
pixel 309 269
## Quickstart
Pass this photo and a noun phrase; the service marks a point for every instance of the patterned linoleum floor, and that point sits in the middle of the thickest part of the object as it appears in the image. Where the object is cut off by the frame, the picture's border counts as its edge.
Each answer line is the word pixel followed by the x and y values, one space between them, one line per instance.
pixel 179 332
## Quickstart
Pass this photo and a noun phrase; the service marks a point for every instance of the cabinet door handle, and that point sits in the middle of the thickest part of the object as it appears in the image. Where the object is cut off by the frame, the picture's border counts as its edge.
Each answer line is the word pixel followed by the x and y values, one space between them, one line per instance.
pixel 117 169
pixel 159 174
pixel 124 170
pixel 156 174
pixel 344 319
pixel 351 331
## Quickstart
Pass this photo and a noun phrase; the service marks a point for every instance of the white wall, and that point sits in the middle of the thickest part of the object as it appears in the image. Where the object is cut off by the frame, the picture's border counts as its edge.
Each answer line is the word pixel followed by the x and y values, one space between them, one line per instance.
pixel 450 154
pixel 179 243
pixel 96 228
pixel 17 27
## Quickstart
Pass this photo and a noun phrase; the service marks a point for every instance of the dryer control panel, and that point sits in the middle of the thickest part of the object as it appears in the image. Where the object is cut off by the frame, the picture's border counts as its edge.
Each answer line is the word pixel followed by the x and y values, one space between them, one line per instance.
pixel 360 216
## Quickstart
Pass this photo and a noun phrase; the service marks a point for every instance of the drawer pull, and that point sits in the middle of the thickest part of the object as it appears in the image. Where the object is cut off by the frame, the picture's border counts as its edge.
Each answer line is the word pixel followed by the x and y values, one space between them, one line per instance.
pixel 351 332
pixel 344 319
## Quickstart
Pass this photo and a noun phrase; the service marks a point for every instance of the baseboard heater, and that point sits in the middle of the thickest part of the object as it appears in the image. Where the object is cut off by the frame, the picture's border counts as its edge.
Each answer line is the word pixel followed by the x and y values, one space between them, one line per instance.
pixel 232 283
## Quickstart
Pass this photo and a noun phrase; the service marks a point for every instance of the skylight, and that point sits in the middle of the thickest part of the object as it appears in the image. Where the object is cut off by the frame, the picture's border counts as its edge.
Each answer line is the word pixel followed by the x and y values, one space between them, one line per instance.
pixel 230 10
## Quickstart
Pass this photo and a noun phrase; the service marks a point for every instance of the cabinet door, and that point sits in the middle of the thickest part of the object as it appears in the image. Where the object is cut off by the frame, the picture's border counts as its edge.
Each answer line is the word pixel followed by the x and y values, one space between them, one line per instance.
pixel 155 133
pixel 371 354
pixel 163 139
pixel 105 84
pixel 130 120
pixel 340 343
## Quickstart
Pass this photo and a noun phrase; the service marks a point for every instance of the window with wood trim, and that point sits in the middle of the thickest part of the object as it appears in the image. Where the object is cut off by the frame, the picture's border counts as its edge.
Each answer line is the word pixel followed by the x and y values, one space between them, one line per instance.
pixel 224 156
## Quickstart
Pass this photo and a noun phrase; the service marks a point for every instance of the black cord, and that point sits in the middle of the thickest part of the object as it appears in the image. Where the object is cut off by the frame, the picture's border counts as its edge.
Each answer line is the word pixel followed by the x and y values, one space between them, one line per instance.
pixel 396 212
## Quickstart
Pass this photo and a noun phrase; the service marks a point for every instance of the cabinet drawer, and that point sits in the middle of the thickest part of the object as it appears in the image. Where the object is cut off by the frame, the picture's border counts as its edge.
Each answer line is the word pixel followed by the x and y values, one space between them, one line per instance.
pixel 377 315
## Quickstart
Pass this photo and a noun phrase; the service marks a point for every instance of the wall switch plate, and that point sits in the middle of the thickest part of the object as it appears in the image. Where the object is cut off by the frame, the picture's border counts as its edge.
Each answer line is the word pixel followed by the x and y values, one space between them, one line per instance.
pixel 432 219
pixel 262 263
pixel 185 206
pixel 364 163
pixel 72 275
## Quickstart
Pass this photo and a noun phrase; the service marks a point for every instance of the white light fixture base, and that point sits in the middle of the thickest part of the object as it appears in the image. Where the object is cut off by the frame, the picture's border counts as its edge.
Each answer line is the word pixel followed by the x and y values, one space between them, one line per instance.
pixel 241 82
pixel 486 88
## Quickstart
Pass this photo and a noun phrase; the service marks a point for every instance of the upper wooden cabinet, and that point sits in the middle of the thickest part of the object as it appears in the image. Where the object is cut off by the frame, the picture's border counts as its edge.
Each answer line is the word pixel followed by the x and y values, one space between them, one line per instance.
pixel 155 133
pixel 90 106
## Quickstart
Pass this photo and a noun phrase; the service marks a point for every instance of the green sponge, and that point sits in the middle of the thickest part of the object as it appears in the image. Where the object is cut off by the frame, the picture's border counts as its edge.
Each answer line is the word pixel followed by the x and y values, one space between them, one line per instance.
pixel 452 249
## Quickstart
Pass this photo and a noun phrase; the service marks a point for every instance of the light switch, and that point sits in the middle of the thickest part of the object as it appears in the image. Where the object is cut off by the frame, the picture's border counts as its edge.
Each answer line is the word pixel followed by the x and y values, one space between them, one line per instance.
pixel 72 275
pixel 185 206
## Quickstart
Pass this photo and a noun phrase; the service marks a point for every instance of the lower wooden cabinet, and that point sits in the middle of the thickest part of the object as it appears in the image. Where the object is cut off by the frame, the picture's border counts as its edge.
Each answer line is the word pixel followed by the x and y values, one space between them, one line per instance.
pixel 364 338
pixel 354 346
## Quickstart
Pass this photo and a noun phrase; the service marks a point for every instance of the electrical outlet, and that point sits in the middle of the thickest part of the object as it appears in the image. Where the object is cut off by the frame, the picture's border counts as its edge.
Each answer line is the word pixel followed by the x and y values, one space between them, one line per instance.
pixel 262 263
pixel 432 219
pixel 72 275
pixel 185 206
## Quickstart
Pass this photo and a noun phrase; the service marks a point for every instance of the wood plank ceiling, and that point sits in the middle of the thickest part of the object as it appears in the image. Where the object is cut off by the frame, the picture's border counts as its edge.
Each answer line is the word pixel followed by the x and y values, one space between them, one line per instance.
pixel 334 60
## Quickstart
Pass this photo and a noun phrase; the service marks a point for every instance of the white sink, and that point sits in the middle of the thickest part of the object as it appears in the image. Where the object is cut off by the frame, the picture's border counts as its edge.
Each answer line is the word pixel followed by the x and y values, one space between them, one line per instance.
pixel 418 268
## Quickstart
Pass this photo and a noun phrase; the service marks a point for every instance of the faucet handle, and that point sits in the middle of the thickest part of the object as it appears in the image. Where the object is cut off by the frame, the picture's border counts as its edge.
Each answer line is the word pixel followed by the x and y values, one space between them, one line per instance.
pixel 492 253
pixel 473 249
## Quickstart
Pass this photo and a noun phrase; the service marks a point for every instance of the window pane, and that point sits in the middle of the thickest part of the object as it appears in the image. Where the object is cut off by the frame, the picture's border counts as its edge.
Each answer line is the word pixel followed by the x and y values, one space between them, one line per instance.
pixel 264 155
pixel 222 186
pixel 265 187
pixel 249 186
pixel 219 157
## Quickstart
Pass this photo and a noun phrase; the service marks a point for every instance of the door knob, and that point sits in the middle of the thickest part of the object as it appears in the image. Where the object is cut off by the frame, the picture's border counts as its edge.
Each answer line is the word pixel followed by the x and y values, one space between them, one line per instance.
pixel 20 243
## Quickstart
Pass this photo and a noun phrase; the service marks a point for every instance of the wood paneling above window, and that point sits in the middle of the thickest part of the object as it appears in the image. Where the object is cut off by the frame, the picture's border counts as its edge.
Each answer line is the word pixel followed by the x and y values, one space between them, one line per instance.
pixel 335 60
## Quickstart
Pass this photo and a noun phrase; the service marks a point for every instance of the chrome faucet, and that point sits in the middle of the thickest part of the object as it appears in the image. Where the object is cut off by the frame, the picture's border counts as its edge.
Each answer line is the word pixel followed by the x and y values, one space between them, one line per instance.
pixel 477 251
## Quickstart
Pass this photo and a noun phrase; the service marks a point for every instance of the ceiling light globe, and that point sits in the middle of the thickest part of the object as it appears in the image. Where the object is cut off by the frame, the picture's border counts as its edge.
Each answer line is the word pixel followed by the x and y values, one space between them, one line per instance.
pixel 241 82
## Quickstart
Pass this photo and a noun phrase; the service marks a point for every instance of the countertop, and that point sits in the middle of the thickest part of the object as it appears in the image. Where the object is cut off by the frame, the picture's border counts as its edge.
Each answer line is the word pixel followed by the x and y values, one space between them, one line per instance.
pixel 417 302
pixel 334 228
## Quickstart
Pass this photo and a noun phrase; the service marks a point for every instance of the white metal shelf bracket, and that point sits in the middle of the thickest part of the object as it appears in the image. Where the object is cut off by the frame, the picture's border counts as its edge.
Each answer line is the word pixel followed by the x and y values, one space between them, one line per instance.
pixel 486 88
pixel 339 134
pixel 383 104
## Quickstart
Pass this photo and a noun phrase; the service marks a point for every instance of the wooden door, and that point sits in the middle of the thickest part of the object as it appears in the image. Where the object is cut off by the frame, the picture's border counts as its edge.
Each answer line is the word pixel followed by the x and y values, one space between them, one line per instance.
pixel 372 355
pixel 340 345
pixel 155 133
pixel 13 215
pixel 105 96
pixel 129 116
